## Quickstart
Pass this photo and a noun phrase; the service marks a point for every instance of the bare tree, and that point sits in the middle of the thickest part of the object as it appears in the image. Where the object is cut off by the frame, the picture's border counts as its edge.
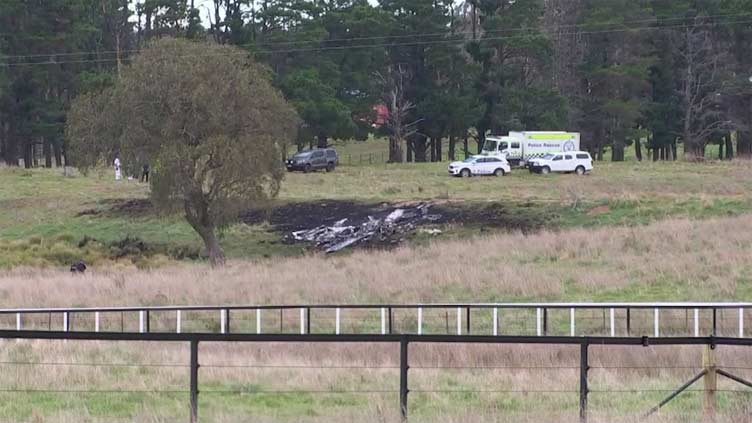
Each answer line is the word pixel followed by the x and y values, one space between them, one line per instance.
pixel 393 83
pixel 701 83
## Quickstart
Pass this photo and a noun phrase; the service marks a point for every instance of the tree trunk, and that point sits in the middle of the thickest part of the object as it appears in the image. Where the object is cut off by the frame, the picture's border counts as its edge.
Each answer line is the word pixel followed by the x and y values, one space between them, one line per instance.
pixel 323 141
pixel 213 249
pixel 656 152
pixel 28 160
pixel 10 152
pixel 419 148
pixel 47 148
pixel 409 151
pixel 744 144
pixel 617 151
pixel 197 215
pixel 432 147
pixel 720 149
pixel 729 147
pixel 465 147
pixel 395 150
pixel 481 141
pixel 638 149
pixel 439 151
pixel 452 146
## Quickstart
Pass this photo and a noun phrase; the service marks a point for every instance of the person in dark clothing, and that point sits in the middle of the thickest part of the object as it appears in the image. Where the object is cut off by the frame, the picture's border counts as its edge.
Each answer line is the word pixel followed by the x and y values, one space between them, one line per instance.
pixel 145 173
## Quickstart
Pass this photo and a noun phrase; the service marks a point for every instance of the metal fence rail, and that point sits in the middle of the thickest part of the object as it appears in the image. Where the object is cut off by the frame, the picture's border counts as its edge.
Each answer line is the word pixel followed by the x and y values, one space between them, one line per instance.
pixel 539 319
pixel 710 371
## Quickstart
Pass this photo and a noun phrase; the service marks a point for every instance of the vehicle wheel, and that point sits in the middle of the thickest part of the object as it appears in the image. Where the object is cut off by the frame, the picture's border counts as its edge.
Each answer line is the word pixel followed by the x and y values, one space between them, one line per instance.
pixel 465 173
pixel 330 167
pixel 580 170
pixel 307 168
pixel 499 172
pixel 545 170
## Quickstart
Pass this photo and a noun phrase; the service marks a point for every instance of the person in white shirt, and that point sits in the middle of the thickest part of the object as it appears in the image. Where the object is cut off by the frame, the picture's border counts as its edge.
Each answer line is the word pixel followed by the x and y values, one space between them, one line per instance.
pixel 118 173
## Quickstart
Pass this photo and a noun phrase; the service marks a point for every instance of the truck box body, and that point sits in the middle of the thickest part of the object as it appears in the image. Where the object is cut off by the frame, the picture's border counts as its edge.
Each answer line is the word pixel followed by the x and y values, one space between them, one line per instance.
pixel 519 147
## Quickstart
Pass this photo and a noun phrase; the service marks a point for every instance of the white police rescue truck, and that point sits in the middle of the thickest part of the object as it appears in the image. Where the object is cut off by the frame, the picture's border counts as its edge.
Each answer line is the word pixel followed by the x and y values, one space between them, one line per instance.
pixel 521 147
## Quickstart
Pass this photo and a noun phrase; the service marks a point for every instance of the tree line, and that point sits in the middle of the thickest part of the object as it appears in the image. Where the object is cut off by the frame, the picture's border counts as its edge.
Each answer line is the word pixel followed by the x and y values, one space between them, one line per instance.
pixel 657 76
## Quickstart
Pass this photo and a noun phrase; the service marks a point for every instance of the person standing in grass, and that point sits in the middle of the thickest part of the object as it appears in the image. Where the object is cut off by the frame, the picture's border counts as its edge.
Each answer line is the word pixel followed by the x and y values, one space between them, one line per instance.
pixel 145 173
pixel 118 173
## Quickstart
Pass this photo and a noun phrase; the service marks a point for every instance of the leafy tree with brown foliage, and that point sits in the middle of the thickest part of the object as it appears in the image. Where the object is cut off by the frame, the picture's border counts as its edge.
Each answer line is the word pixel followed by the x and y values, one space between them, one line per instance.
pixel 206 118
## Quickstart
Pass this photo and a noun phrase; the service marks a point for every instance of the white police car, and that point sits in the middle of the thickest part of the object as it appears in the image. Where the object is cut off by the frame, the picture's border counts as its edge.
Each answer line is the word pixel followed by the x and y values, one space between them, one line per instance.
pixel 578 162
pixel 480 165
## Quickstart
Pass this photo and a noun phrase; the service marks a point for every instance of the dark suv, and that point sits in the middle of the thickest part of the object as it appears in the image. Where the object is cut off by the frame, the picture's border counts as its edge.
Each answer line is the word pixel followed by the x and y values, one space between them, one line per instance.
pixel 323 158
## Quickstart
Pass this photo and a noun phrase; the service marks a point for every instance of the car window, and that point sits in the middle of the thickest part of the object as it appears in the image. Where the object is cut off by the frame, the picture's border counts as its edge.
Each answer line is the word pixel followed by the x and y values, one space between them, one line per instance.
pixel 318 154
pixel 515 145
pixel 503 146
pixel 331 153
pixel 583 156
pixel 557 158
pixel 493 159
pixel 548 156
pixel 568 157
pixel 470 160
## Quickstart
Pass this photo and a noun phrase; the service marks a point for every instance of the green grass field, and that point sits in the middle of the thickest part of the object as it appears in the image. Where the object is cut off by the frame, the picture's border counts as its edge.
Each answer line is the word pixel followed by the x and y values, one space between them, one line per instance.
pixel 44 216
pixel 618 234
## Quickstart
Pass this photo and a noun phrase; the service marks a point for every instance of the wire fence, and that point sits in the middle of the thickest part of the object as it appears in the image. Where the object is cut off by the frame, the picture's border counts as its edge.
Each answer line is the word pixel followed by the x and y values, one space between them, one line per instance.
pixel 416 377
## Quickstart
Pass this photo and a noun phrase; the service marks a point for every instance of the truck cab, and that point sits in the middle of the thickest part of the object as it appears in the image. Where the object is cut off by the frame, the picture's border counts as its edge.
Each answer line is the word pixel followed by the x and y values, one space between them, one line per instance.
pixel 507 146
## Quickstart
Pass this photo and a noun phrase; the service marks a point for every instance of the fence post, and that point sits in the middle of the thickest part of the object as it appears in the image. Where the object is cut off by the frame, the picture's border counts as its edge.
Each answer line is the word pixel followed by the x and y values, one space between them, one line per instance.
pixel 629 322
pixel 194 381
pixel 403 379
pixel 710 381
pixel 583 380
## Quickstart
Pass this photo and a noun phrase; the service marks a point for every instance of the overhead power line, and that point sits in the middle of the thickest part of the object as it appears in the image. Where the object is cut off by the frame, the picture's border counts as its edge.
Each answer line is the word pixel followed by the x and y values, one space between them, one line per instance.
pixel 402 36
pixel 389 45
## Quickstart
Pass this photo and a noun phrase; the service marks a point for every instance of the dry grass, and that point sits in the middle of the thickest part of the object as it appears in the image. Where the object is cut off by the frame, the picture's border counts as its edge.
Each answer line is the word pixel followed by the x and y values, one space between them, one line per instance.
pixel 669 260
pixel 676 259
pixel 260 368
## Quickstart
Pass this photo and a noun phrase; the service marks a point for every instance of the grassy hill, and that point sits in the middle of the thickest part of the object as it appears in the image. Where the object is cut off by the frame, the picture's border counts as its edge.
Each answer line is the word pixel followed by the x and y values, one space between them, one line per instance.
pixel 49 219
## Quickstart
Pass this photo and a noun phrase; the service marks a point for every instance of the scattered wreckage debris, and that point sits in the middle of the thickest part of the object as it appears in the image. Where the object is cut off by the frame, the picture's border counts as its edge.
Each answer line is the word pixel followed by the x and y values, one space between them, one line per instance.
pixel 386 230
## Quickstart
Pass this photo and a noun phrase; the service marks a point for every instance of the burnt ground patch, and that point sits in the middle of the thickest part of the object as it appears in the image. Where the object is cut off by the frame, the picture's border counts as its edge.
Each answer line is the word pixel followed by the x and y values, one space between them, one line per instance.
pixel 291 217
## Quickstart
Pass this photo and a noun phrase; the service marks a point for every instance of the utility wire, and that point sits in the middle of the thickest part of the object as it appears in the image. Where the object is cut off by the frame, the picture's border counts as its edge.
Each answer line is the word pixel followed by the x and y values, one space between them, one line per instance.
pixel 414 35
pixel 368 46
pixel 29 363
pixel 92 391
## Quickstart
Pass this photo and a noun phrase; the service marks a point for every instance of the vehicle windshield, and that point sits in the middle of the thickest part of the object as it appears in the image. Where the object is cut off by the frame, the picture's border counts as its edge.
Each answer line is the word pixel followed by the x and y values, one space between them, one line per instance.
pixel 490 145
pixel 548 156
pixel 302 155
pixel 470 159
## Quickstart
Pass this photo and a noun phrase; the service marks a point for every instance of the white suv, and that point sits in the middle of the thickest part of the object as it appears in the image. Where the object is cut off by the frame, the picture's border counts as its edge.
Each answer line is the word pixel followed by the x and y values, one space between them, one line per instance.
pixel 480 165
pixel 578 162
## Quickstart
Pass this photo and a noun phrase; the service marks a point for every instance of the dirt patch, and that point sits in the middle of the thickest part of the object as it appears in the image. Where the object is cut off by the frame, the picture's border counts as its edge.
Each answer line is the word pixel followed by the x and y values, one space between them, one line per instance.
pixel 595 211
